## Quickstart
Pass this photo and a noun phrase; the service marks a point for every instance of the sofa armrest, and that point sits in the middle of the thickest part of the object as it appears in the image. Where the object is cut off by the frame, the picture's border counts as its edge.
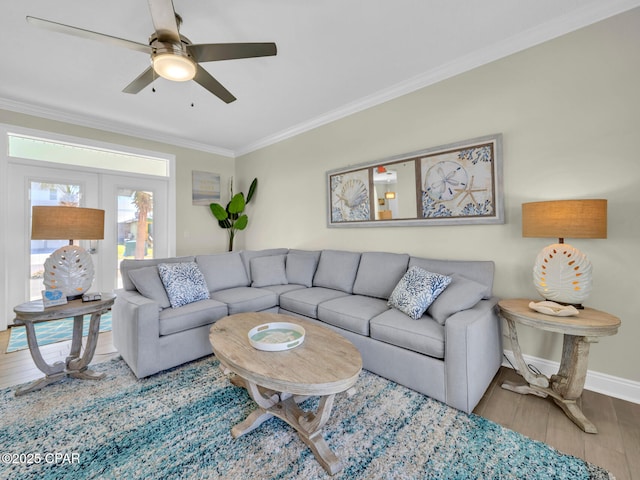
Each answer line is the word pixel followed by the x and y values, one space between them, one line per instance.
pixel 473 353
pixel 136 328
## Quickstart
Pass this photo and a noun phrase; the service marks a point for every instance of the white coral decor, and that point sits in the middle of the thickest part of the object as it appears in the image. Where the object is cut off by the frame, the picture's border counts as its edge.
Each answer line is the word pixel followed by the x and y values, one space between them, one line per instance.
pixel 562 274
pixel 69 269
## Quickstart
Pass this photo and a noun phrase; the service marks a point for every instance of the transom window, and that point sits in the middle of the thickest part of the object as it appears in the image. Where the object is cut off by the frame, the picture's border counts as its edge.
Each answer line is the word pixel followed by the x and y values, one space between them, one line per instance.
pixel 34 148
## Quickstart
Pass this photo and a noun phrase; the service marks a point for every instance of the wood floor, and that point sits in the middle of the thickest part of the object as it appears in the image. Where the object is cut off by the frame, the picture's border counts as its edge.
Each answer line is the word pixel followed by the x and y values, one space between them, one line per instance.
pixel 616 447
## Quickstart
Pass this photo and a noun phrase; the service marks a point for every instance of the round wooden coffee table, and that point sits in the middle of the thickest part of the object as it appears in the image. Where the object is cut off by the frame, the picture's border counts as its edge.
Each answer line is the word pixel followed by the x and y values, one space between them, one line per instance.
pixel 324 365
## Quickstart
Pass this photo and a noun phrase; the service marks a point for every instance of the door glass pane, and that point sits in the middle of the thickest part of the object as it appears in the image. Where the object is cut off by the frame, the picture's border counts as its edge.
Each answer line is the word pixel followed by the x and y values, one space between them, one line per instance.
pixel 135 226
pixel 47 194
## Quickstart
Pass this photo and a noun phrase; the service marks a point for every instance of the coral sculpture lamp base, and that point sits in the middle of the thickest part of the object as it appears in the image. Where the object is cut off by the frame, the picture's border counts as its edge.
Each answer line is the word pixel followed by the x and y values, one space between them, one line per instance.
pixel 562 274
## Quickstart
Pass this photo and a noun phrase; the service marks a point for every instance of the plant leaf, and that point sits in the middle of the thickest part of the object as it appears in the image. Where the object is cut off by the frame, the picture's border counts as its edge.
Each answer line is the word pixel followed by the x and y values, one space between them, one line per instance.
pixel 241 223
pixel 252 189
pixel 237 203
pixel 218 212
pixel 224 223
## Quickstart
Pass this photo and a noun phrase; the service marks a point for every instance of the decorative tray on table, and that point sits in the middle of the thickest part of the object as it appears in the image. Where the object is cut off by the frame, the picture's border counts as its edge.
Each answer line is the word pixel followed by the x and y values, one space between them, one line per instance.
pixel 553 308
pixel 277 336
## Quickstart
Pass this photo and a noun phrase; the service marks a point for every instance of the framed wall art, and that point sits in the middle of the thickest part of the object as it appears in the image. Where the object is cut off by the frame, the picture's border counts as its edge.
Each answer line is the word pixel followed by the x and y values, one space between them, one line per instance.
pixel 454 184
pixel 205 187
pixel 462 182
pixel 350 196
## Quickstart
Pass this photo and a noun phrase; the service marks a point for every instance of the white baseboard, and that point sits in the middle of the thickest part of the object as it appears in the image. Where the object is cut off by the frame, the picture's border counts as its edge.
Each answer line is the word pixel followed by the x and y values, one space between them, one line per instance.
pixel 597 382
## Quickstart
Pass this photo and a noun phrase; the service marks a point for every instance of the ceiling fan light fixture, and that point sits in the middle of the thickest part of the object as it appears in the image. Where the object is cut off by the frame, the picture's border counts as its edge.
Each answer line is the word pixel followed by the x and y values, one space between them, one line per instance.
pixel 174 67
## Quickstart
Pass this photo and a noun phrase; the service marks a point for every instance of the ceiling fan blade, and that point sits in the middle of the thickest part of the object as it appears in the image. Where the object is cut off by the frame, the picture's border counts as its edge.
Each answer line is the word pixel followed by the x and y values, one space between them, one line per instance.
pixel 229 51
pixel 82 33
pixel 207 81
pixel 163 16
pixel 144 79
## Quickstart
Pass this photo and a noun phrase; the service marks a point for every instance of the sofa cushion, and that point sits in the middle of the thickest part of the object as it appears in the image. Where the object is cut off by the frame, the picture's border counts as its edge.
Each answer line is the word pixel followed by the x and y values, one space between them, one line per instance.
pixel 222 271
pixel 306 300
pixel 424 336
pixel 337 269
pixel 204 312
pixel 379 273
pixel 280 289
pixel 129 264
pixel 268 270
pixel 183 282
pixel 352 312
pixel 477 270
pixel 246 299
pixel 248 255
pixel 314 253
pixel 147 281
pixel 417 290
pixel 462 294
pixel 301 268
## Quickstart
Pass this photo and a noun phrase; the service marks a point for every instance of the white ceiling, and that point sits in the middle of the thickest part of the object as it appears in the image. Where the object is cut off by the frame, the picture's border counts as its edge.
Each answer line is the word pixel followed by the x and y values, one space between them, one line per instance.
pixel 335 57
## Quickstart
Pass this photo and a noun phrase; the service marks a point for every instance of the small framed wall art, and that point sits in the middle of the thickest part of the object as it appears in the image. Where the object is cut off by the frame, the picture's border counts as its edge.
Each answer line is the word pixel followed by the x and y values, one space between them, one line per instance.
pixel 205 187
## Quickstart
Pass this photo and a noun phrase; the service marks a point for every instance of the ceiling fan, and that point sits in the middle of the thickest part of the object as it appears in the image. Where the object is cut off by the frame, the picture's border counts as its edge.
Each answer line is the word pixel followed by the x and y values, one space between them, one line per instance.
pixel 173 56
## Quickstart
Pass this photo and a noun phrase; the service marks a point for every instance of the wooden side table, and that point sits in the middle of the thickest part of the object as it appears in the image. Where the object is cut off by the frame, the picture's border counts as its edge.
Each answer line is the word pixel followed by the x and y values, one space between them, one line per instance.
pixel 579 332
pixel 30 313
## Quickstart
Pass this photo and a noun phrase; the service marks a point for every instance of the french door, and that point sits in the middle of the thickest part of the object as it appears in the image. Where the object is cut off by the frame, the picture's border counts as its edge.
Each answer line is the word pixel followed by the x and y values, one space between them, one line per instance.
pixel 136 223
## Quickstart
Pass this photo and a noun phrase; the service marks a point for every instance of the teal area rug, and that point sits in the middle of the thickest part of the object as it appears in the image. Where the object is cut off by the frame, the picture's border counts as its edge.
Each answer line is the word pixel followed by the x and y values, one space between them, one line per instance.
pixel 176 425
pixel 54 331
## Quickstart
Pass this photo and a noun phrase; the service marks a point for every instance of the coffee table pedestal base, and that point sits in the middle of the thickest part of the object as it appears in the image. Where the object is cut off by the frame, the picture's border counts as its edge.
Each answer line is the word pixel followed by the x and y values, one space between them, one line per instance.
pixel 285 406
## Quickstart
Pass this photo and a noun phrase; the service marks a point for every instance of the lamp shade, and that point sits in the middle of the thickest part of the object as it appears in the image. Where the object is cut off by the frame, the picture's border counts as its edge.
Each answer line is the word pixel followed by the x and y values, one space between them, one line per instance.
pixel 565 219
pixel 66 223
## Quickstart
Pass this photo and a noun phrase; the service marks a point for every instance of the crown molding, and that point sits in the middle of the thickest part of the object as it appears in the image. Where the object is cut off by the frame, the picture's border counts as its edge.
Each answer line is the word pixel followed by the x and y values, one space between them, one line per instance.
pixel 526 39
pixel 109 126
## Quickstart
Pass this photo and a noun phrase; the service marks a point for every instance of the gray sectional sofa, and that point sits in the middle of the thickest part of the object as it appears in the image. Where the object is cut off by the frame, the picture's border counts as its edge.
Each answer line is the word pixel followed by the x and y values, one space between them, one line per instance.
pixel 451 353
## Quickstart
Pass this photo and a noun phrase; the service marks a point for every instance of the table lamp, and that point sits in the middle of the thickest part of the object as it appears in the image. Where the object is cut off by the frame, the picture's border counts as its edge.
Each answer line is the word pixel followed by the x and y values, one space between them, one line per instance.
pixel 562 273
pixel 70 268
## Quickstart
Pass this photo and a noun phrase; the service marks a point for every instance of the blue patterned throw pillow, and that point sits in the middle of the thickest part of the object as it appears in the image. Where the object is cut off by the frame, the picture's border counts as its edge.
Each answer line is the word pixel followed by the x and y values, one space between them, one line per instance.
pixel 183 282
pixel 416 290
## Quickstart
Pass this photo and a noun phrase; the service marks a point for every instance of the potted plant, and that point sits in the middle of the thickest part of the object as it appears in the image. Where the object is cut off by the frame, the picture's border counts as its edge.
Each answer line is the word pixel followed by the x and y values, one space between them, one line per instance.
pixel 232 217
